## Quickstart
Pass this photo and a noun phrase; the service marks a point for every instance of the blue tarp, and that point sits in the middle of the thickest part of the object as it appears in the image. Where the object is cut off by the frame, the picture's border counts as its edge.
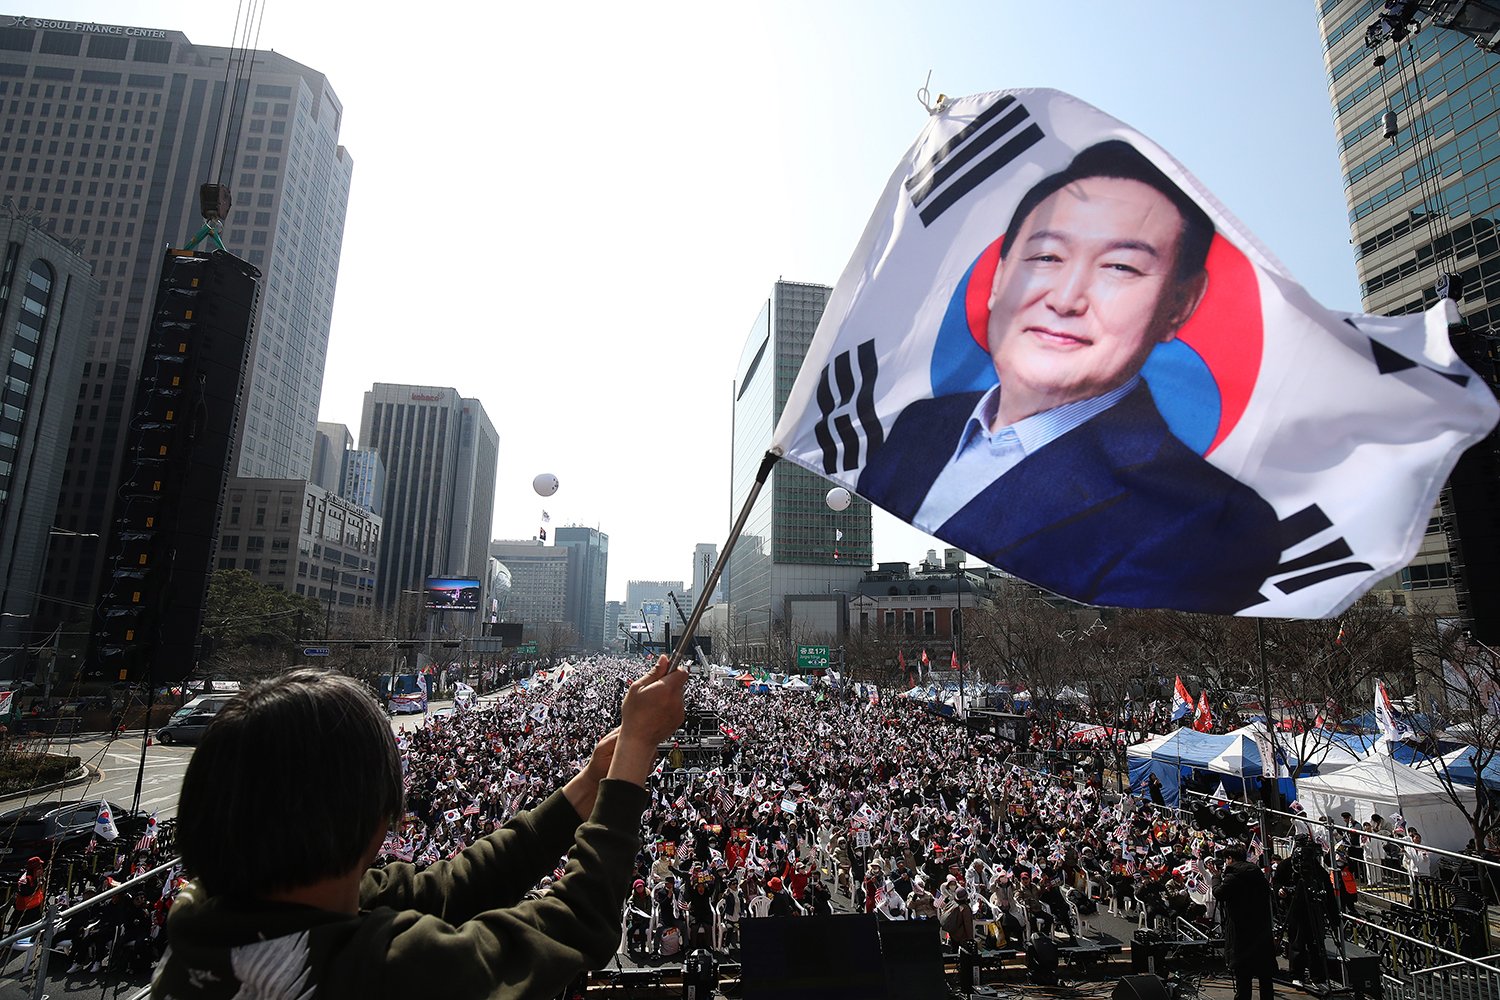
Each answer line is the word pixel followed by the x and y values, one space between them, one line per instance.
pixel 1180 754
pixel 1460 770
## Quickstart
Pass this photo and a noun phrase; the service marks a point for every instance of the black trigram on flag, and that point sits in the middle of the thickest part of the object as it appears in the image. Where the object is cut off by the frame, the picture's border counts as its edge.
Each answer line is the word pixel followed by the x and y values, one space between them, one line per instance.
pixel 846 402
pixel 995 137
pixel 1327 562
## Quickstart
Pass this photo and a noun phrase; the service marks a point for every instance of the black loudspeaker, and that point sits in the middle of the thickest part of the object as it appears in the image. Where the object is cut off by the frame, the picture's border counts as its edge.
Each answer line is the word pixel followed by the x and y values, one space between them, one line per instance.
pixel 1140 987
pixel 509 633
pixel 172 473
pixel 912 951
pixel 1041 960
pixel 811 958
pixel 1470 508
pixel 1364 970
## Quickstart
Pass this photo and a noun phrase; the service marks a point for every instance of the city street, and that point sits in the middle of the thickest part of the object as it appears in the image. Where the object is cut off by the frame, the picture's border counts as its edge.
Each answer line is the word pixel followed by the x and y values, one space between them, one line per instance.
pixel 118 761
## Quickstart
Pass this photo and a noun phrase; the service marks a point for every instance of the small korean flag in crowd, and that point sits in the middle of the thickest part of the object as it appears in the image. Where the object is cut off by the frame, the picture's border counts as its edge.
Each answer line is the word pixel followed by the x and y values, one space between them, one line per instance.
pixel 104 824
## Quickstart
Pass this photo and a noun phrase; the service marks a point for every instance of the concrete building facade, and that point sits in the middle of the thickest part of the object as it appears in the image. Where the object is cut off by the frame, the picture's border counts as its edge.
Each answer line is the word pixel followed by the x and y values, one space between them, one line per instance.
pixel 538 581
pixel 303 539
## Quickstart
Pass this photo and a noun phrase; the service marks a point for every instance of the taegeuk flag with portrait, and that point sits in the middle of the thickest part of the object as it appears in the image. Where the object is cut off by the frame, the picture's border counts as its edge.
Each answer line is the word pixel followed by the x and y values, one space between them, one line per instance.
pixel 1054 349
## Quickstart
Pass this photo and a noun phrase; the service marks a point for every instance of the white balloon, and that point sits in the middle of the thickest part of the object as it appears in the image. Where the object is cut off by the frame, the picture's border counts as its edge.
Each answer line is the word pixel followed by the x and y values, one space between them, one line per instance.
pixel 545 484
pixel 838 498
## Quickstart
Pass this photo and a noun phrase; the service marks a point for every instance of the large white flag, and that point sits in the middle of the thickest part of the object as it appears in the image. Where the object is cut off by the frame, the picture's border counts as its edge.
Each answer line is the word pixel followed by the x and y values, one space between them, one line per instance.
pixel 1392 729
pixel 1181 425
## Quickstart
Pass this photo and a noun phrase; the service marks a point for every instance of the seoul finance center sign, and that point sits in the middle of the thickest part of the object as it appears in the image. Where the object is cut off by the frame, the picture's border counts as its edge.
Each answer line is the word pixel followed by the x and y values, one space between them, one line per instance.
pixel 87 27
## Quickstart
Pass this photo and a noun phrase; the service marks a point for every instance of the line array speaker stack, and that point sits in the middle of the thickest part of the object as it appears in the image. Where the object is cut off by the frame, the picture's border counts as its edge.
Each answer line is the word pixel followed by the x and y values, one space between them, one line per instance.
pixel 1470 507
pixel 172 474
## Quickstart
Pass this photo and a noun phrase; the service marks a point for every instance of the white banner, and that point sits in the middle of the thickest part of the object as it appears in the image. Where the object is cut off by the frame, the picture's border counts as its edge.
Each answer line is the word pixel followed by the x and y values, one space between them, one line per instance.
pixel 1181 425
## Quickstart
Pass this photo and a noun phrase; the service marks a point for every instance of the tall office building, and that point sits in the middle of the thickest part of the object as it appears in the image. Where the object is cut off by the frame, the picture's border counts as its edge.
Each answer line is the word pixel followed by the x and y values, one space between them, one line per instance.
pixel 793 545
pixel 705 555
pixel 1419 144
pixel 474 492
pixel 439 452
pixel 107 131
pixel 647 601
pixel 588 568
pixel 538 581
pixel 47 299
pixel 362 479
pixel 330 442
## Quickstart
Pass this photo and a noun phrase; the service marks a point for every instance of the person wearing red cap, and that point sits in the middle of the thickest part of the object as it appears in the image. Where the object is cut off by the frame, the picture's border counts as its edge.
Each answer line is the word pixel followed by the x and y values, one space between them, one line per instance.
pixel 638 919
pixel 30 892
pixel 782 903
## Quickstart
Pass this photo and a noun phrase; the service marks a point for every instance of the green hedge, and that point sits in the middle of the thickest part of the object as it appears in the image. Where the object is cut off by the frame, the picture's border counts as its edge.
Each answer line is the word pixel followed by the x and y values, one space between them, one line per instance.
pixel 21 771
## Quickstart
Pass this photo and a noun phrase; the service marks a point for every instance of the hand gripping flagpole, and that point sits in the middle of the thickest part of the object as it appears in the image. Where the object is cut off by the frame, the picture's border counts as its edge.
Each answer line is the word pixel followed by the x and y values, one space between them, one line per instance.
pixel 690 630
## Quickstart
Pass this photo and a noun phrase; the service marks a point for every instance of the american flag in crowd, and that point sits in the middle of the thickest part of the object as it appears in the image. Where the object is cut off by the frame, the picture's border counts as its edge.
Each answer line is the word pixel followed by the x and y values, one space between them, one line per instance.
pixel 560 870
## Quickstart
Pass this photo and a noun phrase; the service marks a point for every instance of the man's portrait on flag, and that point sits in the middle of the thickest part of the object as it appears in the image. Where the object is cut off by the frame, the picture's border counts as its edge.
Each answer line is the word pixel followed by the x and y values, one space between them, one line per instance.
pixel 1101 264
pixel 1055 349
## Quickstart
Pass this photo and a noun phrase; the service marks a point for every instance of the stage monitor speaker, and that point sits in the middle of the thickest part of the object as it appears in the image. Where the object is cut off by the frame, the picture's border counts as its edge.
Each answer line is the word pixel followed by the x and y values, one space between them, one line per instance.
pixel 1141 987
pixel 811 958
pixel 913 956
pixel 1364 969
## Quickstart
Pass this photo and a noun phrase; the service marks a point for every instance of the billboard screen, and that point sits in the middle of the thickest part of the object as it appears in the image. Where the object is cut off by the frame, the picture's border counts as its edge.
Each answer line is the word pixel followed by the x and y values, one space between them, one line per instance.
pixel 446 593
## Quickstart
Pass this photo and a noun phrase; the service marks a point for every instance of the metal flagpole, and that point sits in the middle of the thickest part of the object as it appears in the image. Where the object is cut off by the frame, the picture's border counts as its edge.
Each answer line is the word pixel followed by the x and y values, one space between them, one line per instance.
pixel 690 630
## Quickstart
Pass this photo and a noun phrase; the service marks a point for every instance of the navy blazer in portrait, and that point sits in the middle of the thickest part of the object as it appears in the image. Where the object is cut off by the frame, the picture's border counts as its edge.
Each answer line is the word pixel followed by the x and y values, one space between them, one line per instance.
pixel 1116 511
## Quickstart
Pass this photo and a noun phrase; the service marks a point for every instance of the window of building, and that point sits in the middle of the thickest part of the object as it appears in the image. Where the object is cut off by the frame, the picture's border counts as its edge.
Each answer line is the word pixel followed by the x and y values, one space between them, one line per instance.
pixel 909 622
pixel 230 543
pixel 252 565
pixel 929 623
pixel 890 621
pixel 226 563
pixel 234 515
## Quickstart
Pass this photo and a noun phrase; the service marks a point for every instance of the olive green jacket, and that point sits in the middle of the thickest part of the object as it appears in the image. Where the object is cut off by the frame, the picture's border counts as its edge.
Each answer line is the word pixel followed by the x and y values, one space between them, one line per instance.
pixel 456 930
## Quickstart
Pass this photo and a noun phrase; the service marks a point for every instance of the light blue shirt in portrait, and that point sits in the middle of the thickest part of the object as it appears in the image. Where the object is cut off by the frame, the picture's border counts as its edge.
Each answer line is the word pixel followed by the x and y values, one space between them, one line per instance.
pixel 983 456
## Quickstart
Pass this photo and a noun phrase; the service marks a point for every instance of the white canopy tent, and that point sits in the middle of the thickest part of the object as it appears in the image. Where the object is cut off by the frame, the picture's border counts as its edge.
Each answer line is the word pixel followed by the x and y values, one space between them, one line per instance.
pixel 1381 785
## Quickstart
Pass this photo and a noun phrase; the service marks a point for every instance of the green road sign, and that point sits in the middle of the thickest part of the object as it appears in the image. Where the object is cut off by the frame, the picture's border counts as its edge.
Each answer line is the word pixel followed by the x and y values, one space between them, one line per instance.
pixel 526 649
pixel 812 657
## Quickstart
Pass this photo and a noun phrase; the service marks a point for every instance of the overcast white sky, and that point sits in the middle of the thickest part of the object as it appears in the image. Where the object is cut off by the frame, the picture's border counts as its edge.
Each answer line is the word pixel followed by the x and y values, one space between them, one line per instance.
pixel 592 199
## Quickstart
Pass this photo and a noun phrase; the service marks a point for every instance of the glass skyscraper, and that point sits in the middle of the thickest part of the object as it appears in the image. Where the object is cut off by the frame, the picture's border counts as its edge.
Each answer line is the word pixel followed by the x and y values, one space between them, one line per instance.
pixel 1419 145
pixel 106 133
pixel 792 543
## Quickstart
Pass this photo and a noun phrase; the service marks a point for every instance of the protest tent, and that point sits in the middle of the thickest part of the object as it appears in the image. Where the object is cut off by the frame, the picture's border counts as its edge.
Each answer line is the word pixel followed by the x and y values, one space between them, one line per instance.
pixel 1459 766
pixel 1380 784
pixel 1188 750
pixel 796 684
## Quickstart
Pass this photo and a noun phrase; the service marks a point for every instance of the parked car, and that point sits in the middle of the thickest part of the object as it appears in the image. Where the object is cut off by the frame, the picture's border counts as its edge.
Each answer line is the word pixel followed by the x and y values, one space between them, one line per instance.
pixel 43 829
pixel 188 723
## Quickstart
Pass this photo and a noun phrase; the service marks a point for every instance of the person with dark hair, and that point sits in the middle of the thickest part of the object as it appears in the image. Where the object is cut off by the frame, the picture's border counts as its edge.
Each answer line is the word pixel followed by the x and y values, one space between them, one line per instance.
pixel 290 915
pixel 1244 898
pixel 1065 472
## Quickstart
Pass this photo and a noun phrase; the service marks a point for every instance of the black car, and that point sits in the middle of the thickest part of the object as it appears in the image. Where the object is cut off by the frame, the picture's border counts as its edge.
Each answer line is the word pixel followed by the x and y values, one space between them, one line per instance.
pixel 44 828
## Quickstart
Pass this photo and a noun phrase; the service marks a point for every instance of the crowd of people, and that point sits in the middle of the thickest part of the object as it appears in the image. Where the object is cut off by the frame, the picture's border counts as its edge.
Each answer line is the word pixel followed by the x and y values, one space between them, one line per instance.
pixel 831 799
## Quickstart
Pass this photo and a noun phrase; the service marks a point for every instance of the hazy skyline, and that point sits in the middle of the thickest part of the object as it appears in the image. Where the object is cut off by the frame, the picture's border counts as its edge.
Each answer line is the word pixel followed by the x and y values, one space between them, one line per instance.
pixel 596 199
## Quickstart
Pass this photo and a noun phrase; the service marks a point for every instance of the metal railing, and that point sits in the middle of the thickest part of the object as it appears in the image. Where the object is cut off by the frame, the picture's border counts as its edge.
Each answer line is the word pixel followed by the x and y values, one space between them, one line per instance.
pixel 53 919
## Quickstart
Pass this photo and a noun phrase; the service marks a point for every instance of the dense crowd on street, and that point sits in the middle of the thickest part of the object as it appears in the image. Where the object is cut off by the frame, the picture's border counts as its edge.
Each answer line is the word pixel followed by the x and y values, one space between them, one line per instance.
pixel 831 799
